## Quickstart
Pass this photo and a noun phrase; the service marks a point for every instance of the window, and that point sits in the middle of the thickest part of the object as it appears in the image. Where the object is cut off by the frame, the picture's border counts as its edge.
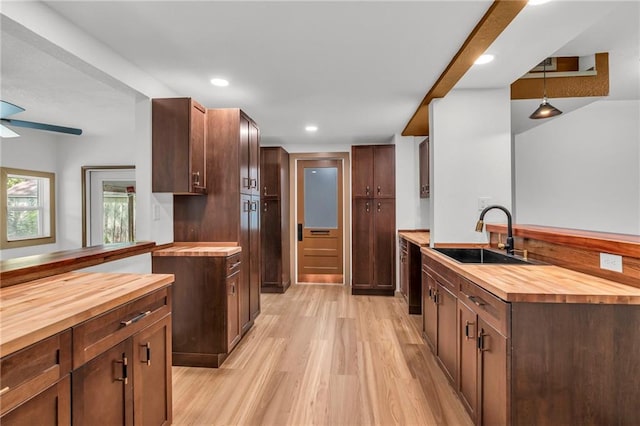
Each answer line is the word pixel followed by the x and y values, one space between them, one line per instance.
pixel 28 208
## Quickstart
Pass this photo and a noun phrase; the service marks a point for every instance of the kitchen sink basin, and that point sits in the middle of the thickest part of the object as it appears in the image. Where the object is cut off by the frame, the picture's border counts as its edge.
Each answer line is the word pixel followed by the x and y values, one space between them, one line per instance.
pixel 479 255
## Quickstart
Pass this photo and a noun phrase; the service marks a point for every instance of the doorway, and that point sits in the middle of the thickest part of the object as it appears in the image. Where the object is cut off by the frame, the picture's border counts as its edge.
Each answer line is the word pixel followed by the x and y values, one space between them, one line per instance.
pixel 320 219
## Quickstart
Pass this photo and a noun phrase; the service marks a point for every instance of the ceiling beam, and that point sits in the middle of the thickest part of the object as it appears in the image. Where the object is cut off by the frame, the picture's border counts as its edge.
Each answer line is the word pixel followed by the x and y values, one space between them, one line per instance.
pixel 566 87
pixel 494 21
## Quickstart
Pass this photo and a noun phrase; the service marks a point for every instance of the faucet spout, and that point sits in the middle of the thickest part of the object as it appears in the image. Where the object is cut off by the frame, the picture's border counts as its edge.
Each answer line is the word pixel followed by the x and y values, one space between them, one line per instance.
pixel 509 244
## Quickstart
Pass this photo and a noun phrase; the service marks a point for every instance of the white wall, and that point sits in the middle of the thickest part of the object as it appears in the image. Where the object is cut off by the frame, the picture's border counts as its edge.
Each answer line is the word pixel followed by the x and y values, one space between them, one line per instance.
pixel 582 170
pixel 470 142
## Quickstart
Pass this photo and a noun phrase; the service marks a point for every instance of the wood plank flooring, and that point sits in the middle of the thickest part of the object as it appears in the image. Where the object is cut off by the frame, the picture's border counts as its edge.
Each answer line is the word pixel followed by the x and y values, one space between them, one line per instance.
pixel 319 356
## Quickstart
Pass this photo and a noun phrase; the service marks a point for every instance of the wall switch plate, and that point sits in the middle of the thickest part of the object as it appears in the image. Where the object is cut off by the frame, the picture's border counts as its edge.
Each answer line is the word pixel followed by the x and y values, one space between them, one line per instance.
pixel 611 262
pixel 483 203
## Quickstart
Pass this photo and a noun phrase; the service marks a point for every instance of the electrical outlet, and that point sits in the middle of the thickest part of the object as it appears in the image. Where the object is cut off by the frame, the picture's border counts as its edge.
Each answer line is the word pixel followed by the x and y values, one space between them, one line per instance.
pixel 483 202
pixel 611 262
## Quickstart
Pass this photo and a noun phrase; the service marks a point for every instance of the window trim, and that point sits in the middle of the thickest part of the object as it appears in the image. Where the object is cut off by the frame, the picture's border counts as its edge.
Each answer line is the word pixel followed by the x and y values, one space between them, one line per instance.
pixel 5 243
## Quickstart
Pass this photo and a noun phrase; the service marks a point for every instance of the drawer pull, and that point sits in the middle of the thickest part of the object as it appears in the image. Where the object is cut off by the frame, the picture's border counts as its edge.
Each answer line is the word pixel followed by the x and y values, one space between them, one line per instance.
pixel 147 347
pixel 481 342
pixel 476 300
pixel 466 329
pixel 135 319
pixel 125 375
pixel 4 390
pixel 235 265
pixel 378 190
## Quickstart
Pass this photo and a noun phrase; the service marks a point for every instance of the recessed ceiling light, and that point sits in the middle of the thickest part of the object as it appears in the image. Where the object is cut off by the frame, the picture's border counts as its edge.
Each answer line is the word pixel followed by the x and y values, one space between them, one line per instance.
pixel 537 2
pixel 484 59
pixel 311 128
pixel 220 82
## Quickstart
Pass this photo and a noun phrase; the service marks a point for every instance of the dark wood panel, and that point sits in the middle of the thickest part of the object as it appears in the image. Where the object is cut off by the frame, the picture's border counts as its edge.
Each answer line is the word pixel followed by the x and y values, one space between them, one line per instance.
pixel 50 407
pixel 429 310
pixel 494 378
pixel 362 171
pixel 270 167
pixel 415 279
pixel 423 153
pixel 362 242
pixel 384 171
pixel 468 362
pixel 447 337
pixel 271 239
pixel 29 268
pixel 254 158
pixel 254 258
pixel 170 123
pixel 384 231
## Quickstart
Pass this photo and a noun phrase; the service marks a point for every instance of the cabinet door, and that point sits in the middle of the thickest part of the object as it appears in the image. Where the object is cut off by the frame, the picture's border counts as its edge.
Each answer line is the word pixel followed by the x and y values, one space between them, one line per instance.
pixel 270 171
pixel 468 383
pixel 50 407
pixel 254 158
pixel 384 243
pixel 271 243
pixel 233 324
pixel 384 171
pixel 254 242
pixel 362 244
pixel 197 148
pixel 492 363
pixel 362 171
pixel 429 310
pixel 152 372
pixel 404 267
pixel 447 331
pixel 424 169
pixel 245 243
pixel 245 182
pixel 102 388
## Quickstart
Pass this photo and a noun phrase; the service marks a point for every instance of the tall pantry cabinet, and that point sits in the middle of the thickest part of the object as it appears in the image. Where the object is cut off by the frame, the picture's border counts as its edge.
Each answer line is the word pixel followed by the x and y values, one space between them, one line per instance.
pixel 275 249
pixel 374 219
pixel 231 210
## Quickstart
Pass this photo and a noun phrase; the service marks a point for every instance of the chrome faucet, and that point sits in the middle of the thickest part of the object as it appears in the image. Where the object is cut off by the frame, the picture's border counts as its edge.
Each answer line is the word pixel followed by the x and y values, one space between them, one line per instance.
pixel 509 245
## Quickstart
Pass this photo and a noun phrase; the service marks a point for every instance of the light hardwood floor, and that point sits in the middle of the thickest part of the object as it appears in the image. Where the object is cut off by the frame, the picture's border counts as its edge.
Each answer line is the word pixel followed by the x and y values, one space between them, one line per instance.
pixel 319 356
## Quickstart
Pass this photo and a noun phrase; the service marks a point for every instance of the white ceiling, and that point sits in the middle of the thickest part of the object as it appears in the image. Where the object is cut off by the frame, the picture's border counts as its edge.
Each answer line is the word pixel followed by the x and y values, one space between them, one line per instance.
pixel 356 69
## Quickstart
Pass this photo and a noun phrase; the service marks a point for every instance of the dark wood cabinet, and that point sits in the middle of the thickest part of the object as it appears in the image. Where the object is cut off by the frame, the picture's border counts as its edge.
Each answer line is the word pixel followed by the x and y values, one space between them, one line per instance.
pixel 50 407
pixel 410 275
pixel 206 306
pixel 423 153
pixel 429 309
pixel 493 374
pixel 404 267
pixel 373 219
pixel 447 337
pixel 468 363
pixel 178 146
pixel 231 210
pixel 275 234
pixel 373 171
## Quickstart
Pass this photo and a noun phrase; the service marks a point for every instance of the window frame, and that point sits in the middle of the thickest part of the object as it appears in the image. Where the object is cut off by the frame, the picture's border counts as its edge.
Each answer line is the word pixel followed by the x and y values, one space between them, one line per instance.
pixel 5 243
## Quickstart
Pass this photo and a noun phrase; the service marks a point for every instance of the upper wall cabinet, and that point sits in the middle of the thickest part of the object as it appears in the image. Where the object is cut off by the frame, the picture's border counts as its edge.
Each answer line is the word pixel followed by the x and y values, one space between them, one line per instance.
pixel 425 190
pixel 178 147
pixel 373 171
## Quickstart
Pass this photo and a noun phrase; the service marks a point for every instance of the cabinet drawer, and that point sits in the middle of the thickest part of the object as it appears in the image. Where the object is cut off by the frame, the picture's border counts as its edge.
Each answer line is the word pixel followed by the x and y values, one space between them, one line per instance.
pixel 233 264
pixel 100 333
pixel 33 369
pixel 492 309
pixel 442 273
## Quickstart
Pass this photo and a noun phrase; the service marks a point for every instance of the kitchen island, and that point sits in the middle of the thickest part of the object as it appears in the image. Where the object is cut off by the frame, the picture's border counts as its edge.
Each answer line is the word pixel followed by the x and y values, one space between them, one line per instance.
pixel 83 328
pixel 534 343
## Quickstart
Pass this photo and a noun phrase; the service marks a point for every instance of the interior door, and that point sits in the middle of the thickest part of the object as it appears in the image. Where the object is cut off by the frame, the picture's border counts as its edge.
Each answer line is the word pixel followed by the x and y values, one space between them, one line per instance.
pixel 320 221
pixel 111 207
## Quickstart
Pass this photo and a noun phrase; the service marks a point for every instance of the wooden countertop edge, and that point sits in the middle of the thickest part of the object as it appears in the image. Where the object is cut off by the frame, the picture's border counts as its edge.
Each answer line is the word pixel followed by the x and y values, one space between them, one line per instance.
pixel 16 344
pixel 508 296
pixel 197 249
pixel 621 244
pixel 416 236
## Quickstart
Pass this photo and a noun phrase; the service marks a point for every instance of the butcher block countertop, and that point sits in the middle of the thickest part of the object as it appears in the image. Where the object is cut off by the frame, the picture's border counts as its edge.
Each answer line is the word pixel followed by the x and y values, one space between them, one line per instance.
pixel 33 311
pixel 420 238
pixel 541 283
pixel 199 249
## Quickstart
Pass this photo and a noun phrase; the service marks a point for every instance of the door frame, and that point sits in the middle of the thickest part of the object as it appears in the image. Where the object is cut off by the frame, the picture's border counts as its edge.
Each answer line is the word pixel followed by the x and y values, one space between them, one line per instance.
pixel 343 158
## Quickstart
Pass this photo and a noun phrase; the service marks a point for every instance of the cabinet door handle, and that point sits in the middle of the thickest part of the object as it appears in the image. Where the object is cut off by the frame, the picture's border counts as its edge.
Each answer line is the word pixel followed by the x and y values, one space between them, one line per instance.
pixel 265 190
pixel 125 376
pixel 246 206
pixel 481 341
pixel 379 190
pixel 265 207
pixel 379 205
pixel 196 178
pixel 147 348
pixel 466 329
pixel 233 289
pixel 246 182
pixel 367 190
pixel 254 206
pixel 4 390
pixel 366 206
pixel 134 319
pixel 476 300
pixel 253 183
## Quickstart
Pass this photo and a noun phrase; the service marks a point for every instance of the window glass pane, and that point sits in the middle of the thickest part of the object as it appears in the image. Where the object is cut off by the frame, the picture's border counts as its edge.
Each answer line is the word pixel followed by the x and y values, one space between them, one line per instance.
pixel 28 207
pixel 321 197
pixel 119 199
pixel 23 224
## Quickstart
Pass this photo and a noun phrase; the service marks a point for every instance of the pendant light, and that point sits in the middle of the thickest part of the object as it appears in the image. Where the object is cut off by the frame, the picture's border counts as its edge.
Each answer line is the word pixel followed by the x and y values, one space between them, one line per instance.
pixel 545 110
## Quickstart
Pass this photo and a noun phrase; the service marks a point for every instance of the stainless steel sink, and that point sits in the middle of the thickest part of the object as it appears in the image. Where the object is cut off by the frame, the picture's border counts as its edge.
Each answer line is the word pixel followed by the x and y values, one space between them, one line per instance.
pixel 479 255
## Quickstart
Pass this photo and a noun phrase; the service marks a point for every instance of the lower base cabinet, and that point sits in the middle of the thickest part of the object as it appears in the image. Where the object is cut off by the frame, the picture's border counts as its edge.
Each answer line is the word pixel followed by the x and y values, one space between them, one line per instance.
pixel 50 407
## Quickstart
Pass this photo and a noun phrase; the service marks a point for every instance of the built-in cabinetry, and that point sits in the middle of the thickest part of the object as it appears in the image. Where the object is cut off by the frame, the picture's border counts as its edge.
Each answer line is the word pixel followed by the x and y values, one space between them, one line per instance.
pixel 206 306
pixel 409 243
pixel 423 153
pixel 231 210
pixel 526 361
pixel 275 234
pixel 373 219
pixel 178 146
pixel 112 368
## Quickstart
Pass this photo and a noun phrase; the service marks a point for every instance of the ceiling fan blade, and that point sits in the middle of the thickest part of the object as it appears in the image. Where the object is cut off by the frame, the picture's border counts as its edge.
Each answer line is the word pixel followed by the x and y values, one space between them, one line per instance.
pixel 7 109
pixel 42 126
pixel 6 132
